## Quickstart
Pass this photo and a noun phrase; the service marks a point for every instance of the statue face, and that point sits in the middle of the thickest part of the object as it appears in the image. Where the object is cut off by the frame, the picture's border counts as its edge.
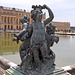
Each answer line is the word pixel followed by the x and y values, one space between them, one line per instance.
pixel 50 28
pixel 24 19
pixel 36 15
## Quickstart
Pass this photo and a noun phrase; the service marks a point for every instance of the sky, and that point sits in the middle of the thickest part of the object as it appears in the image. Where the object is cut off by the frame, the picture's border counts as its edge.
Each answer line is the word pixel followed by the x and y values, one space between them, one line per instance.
pixel 64 10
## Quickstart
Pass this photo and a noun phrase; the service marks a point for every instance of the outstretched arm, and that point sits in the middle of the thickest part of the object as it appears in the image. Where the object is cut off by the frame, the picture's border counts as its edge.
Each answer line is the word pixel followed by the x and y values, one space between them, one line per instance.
pixel 51 15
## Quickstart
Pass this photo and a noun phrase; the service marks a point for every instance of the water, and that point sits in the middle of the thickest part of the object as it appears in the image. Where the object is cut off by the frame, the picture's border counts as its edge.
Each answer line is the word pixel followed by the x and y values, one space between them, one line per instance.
pixel 8 48
pixel 64 50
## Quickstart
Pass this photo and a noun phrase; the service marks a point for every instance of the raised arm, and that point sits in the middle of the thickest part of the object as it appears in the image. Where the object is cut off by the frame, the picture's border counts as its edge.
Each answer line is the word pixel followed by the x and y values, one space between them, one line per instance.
pixel 51 15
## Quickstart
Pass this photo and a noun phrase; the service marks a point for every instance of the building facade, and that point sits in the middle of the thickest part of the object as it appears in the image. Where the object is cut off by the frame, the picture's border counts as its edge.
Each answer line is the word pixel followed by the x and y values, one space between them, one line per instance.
pixel 10 18
pixel 62 26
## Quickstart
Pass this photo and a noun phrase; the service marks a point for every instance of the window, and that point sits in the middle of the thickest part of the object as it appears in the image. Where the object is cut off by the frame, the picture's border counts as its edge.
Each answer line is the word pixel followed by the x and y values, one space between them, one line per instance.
pixel 8 27
pixel 11 26
pixel 5 27
pixel 19 27
pixel 16 27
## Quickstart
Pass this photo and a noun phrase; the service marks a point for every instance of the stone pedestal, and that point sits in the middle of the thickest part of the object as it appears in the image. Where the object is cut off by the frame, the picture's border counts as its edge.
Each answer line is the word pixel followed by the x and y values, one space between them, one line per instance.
pixel 57 71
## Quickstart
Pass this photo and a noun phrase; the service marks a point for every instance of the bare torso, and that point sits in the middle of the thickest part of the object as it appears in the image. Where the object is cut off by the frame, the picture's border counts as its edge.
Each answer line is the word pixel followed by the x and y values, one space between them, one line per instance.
pixel 38 34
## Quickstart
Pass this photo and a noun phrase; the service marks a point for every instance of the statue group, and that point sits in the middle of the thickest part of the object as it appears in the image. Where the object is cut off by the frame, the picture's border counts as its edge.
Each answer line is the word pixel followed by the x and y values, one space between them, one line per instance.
pixel 36 56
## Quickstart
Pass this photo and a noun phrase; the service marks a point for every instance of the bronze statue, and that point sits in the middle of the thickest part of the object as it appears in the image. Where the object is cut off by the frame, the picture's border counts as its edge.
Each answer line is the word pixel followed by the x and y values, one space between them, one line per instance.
pixel 37 38
pixel 51 37
pixel 23 36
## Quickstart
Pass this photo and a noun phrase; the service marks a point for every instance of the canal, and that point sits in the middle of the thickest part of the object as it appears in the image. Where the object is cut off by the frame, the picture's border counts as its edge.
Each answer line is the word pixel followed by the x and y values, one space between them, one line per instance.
pixel 64 50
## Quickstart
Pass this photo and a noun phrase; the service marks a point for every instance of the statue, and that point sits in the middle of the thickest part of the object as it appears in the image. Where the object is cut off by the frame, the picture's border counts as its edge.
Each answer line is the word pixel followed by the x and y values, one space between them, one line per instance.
pixel 37 38
pixel 23 36
pixel 51 37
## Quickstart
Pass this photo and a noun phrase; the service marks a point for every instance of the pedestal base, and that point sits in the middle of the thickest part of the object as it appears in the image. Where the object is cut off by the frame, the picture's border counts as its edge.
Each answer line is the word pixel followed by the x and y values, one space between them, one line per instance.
pixel 57 71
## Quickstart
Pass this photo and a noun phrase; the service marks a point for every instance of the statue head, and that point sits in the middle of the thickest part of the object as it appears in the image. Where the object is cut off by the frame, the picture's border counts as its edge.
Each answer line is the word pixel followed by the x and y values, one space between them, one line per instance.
pixel 50 28
pixel 24 19
pixel 36 13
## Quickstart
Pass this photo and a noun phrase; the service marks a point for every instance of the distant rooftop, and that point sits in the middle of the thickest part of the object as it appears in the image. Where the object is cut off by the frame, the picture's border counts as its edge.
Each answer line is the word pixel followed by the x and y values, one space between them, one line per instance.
pixel 60 22
pixel 12 9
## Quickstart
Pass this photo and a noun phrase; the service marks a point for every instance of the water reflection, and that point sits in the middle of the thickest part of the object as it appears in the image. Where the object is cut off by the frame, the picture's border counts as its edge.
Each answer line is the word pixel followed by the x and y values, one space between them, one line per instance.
pixel 64 50
pixel 7 46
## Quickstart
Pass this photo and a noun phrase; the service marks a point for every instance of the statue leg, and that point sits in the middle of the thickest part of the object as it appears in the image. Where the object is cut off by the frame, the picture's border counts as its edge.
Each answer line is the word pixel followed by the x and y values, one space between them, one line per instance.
pixel 22 50
pixel 44 50
pixel 35 52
